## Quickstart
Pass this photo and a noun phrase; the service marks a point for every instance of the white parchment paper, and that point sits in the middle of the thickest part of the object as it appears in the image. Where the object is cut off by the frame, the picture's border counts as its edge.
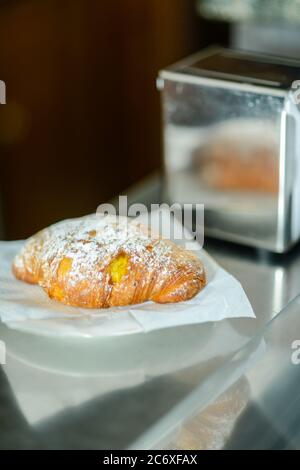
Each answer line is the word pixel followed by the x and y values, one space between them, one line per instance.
pixel 28 308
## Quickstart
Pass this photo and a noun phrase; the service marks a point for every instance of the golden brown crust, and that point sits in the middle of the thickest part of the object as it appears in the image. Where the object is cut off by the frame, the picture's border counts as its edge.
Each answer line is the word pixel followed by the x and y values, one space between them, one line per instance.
pixel 94 262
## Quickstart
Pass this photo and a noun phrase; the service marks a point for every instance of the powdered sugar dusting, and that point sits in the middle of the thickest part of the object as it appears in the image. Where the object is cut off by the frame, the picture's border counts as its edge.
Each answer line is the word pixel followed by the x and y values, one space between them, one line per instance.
pixel 93 239
pixel 90 244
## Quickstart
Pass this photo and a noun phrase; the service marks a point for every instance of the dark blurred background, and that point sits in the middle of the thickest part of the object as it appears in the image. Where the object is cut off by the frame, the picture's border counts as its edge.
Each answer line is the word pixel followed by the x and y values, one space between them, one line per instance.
pixel 82 119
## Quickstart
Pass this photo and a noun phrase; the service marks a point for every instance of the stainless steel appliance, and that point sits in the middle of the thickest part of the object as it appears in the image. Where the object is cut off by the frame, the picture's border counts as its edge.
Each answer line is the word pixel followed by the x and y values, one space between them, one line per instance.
pixel 231 126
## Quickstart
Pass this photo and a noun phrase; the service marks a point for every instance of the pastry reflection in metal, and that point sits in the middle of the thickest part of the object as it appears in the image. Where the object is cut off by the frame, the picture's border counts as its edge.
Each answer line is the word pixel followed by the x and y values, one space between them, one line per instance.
pixel 231 131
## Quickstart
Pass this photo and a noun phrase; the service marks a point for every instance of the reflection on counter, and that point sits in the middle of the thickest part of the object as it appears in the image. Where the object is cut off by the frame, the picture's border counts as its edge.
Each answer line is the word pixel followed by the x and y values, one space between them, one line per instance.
pixel 56 380
pixel 211 428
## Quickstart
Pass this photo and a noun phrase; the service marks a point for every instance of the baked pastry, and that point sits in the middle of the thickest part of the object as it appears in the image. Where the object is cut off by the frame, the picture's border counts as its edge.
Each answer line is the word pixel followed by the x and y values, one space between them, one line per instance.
pixel 102 261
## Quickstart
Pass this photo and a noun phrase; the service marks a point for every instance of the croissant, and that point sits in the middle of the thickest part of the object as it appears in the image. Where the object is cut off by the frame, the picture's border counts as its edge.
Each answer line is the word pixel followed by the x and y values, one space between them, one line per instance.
pixel 101 261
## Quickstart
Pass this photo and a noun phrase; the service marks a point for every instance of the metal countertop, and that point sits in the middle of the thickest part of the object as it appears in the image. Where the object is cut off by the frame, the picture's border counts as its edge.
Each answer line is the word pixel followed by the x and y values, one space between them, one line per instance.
pixel 206 386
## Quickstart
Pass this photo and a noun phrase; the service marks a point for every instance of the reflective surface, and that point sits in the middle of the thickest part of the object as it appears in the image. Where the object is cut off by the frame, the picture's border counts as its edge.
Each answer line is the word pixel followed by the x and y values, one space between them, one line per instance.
pixel 231 143
pixel 261 410
pixel 155 390
pixel 272 414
